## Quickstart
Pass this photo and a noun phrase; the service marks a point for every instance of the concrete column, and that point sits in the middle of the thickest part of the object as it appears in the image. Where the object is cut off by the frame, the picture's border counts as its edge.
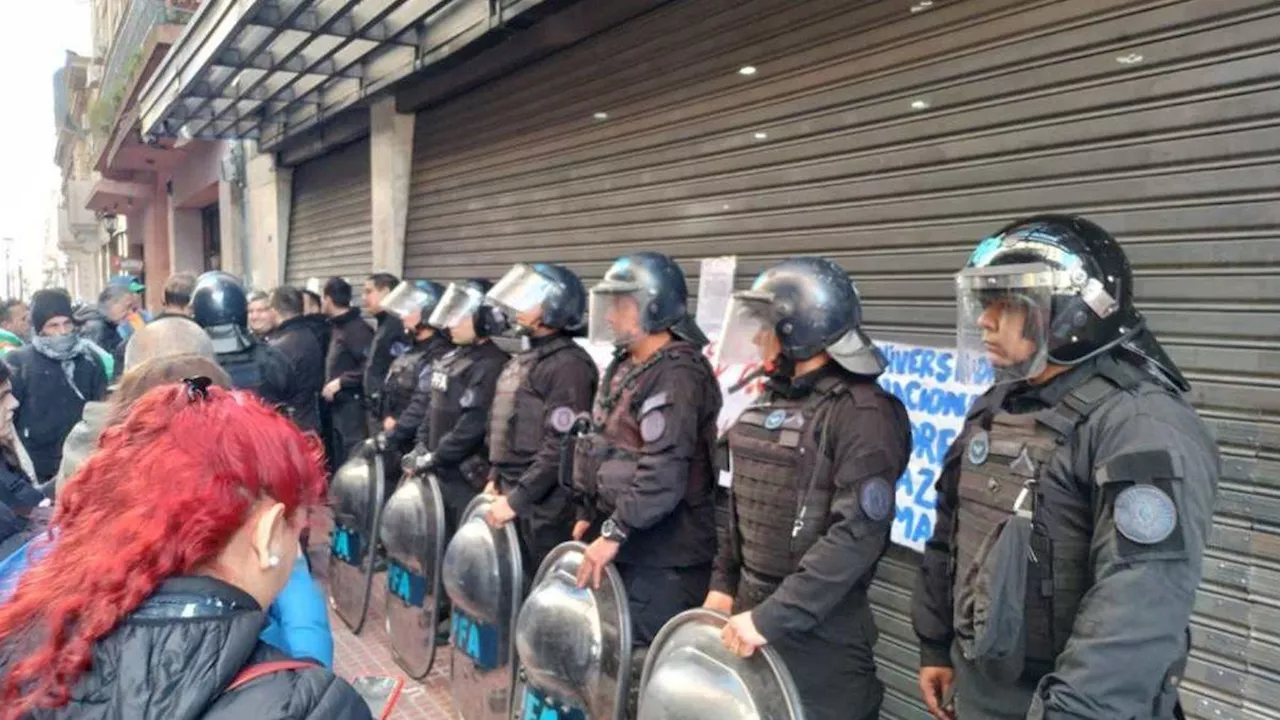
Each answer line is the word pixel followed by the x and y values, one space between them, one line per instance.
pixel 186 241
pixel 391 164
pixel 155 241
pixel 270 199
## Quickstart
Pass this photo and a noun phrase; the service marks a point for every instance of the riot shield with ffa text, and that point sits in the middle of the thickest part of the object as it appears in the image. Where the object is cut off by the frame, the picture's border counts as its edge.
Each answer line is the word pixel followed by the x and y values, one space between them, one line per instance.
pixel 689 673
pixel 483 577
pixel 573 645
pixel 413 533
pixel 357 495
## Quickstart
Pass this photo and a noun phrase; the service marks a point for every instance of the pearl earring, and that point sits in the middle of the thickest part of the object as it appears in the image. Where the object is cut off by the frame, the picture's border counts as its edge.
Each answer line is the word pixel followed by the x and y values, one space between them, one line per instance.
pixel 273 561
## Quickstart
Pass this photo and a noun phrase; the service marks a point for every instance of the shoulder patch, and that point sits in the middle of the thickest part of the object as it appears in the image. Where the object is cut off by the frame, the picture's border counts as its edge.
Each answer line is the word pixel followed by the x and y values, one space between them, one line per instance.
pixel 1145 514
pixel 562 419
pixel 979 447
pixel 653 426
pixel 653 402
pixel 876 499
pixel 468 398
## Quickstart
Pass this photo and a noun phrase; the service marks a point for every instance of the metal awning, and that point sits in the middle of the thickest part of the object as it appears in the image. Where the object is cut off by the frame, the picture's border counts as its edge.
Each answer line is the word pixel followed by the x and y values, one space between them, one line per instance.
pixel 267 69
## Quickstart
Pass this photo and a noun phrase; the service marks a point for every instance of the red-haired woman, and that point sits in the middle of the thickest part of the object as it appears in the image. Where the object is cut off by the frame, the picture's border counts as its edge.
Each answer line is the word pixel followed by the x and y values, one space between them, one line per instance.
pixel 173 538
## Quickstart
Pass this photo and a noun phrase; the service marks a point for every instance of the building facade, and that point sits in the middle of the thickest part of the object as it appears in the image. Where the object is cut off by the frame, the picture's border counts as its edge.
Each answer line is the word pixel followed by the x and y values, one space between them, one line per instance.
pixel 447 140
pixel 160 205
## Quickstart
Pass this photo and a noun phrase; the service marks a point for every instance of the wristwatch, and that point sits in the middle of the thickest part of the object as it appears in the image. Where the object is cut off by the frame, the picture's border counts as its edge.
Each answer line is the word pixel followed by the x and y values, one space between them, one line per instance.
pixel 610 531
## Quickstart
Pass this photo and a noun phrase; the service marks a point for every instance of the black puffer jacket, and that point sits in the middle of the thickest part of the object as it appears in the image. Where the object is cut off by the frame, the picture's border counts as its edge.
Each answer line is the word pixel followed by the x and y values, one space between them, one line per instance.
pixel 160 665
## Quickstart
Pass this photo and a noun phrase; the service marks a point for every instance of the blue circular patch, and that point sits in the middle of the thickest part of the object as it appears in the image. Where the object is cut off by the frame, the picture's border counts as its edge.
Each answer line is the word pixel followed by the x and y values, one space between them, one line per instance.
pixel 979 447
pixel 876 499
pixel 1145 514
pixel 775 419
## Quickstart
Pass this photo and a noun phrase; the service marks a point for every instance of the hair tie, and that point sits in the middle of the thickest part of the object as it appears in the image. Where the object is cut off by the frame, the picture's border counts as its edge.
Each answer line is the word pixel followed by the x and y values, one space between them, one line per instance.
pixel 197 388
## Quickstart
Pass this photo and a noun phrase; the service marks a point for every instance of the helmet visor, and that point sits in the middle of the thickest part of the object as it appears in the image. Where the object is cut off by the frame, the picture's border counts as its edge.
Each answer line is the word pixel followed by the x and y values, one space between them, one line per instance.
pixel 1002 322
pixel 614 316
pixel 522 289
pixel 457 304
pixel 404 300
pixel 749 321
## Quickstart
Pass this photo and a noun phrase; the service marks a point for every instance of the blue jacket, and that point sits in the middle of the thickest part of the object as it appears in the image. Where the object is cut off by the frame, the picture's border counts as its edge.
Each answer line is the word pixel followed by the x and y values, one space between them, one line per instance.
pixel 297 622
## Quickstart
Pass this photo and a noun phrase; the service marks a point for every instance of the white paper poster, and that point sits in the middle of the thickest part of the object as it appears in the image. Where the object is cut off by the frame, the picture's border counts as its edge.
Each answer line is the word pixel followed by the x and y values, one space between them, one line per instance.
pixel 715 287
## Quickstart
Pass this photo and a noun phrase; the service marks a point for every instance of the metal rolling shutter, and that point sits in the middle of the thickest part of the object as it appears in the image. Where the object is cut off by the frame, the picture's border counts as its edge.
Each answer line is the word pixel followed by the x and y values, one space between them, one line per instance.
pixel 331 227
pixel 892 140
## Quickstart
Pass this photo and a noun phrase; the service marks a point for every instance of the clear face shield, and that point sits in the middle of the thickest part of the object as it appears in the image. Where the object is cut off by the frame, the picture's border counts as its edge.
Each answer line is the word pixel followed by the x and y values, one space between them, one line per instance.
pixel 1003 315
pixel 747 336
pixel 614 314
pixel 520 292
pixel 405 300
pixel 458 303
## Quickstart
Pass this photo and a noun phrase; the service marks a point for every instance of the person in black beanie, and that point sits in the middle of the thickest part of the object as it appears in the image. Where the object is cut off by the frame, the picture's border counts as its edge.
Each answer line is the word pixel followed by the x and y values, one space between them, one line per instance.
pixel 53 378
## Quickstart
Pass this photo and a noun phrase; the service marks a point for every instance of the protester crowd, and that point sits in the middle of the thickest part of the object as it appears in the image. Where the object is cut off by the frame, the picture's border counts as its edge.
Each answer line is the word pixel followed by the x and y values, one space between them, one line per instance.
pixel 157 477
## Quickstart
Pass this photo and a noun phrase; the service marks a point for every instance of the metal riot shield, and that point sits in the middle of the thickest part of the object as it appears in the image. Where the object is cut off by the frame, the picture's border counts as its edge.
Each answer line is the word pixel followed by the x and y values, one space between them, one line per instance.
pixel 357 494
pixel 413 532
pixel 689 674
pixel 574 645
pixel 483 576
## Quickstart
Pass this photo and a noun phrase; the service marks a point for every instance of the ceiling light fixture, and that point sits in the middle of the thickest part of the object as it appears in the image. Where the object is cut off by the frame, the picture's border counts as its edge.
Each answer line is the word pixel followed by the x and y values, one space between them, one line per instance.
pixel 919 104
pixel 601 116
pixel 1130 59
pixel 747 70
pixel 762 136
pixel 921 6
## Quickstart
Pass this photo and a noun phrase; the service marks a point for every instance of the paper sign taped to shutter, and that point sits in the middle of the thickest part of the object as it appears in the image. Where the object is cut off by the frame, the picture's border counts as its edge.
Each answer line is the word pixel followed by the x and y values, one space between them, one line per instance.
pixel 924 378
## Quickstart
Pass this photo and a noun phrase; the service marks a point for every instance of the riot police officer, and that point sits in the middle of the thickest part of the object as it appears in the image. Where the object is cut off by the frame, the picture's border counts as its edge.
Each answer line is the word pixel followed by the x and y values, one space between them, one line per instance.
pixel 451 443
pixel 814 464
pixel 541 394
pixel 220 306
pixel 1073 509
pixel 406 394
pixel 645 473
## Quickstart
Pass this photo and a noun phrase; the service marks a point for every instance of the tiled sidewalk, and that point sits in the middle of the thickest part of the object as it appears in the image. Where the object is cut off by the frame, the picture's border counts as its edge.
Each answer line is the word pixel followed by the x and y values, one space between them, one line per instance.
pixel 369 653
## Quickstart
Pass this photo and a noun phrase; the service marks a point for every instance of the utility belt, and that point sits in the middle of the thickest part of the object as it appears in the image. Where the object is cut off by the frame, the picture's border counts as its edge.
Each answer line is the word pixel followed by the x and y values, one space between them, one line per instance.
pixel 754 588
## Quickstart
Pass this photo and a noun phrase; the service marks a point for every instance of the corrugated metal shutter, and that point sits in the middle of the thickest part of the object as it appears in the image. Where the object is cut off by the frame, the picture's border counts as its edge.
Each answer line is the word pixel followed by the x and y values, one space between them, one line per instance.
pixel 331 227
pixel 892 140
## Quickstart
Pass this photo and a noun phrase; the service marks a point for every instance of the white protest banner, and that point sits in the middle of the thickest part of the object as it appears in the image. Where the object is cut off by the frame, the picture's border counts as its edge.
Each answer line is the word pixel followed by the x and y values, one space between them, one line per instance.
pixel 924 378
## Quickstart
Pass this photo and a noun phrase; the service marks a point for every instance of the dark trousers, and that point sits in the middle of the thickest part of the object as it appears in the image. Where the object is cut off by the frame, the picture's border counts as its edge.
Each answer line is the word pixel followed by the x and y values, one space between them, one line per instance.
pixel 833 666
pixel 349 428
pixel 657 594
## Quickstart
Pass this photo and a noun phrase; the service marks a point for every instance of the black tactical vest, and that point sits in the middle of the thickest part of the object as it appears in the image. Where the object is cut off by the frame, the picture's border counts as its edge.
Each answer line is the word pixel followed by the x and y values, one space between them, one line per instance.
pixel 1006 458
pixel 516 417
pixel 605 460
pixel 402 381
pixel 781 487
pixel 448 387
pixel 244 369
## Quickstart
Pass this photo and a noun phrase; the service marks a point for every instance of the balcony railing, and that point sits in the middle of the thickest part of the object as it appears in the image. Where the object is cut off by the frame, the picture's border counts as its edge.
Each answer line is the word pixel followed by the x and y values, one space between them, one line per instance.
pixel 125 56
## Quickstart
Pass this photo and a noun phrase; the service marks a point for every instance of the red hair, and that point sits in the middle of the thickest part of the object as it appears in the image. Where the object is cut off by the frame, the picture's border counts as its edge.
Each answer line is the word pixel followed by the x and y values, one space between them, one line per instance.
pixel 162 497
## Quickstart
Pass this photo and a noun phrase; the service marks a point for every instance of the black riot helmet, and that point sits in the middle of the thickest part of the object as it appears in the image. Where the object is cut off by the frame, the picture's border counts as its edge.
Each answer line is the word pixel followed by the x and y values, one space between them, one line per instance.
pixel 1074 284
pixel 656 283
pixel 467 298
pixel 419 296
pixel 219 299
pixel 554 288
pixel 219 304
pixel 812 306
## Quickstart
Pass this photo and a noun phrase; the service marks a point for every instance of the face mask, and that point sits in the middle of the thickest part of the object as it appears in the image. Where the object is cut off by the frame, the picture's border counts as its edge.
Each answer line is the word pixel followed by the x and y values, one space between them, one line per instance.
pixel 61 344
